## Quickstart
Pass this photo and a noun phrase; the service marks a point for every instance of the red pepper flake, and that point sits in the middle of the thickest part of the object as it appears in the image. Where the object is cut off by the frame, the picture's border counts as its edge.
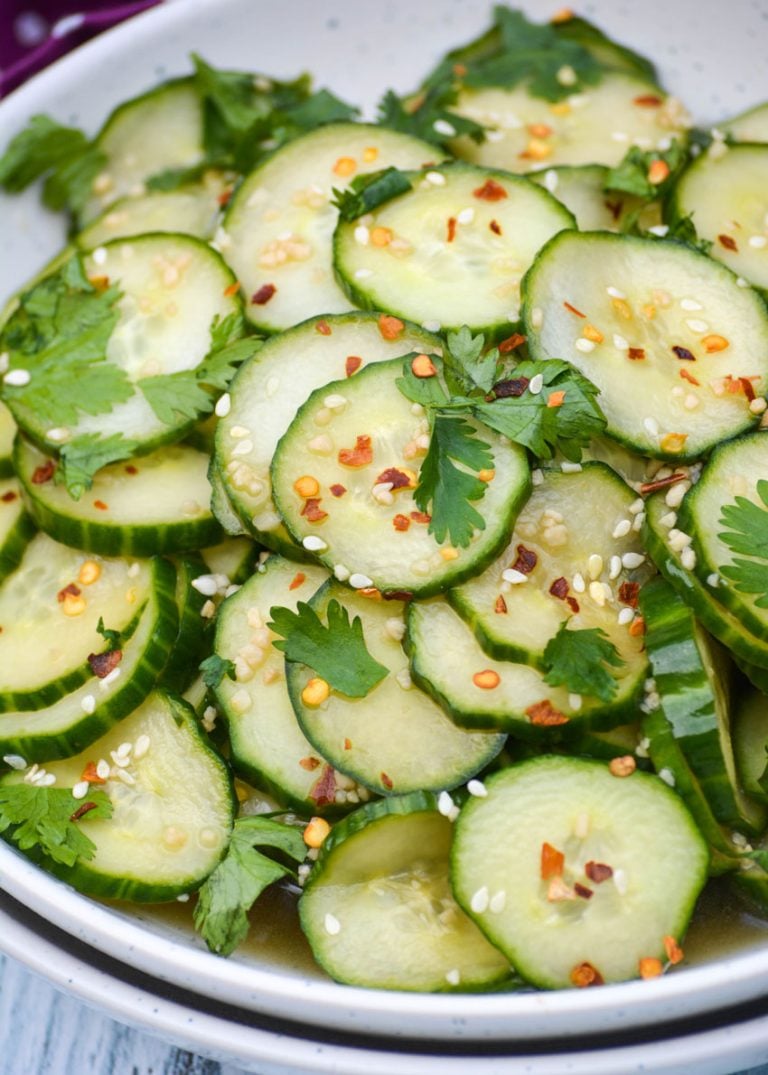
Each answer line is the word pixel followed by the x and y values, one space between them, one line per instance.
pixel 298 580
pixel 526 560
pixel 9 497
pixel 511 343
pixel 90 774
pixel 352 365
pixel 101 505
pixel 421 517
pixel 728 242
pixel 556 399
pixel 559 588
pixel 371 592
pixel 460 70
pixel 263 295
pixel 324 789
pixel 572 604
pixel 131 469
pixel 232 289
pixel 684 354
pixel 70 590
pixel 359 456
pixel 390 327
pixel 82 810
pixel 312 511
pixel 44 472
pixel 552 862
pixel 650 967
pixel 628 592
pixel 501 605
pixel 545 715
pixel 583 891
pixel 662 483
pixel 573 309
pixel 401 523
pixel 746 385
pixel 309 763
pixel 614 208
pixel 637 627
pixel 513 387
pixel 398 595
pixel 323 328
pixel 674 951
pixel 338 490
pixel 451 229
pixel 387 781
pixel 491 191
pixel 495 227
pixel 636 354
pixel 223 198
pixel 735 385
pixel 688 376
pixel 398 478
pixel 423 366
pixel 101 283
pixel 104 663
pixel 347 744
pixel 598 872
pixel 648 100
pixel 584 975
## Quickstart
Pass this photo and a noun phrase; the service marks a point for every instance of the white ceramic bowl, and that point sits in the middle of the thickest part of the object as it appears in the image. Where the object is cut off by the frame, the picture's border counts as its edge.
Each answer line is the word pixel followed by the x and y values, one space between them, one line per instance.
pixel 712 55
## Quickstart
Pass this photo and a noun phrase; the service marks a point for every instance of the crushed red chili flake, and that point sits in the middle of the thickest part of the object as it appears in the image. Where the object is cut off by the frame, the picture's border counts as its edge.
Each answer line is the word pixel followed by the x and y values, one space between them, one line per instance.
pixel 101 283
pixel 104 663
pixel 352 365
pixel 401 523
pixel 637 627
pixel 683 353
pixel 338 490
pixel 556 399
pixel 359 456
pixel 513 387
pixel 495 227
pixel 650 967
pixel 398 595
pixel 263 295
pixel 387 781
pixel 598 872
pixel 673 950
pixel 323 328
pixel 9 497
pixel 70 590
pixel 526 560
pixel 101 505
pixel 460 70
pixel 450 229
pixel 491 191
pixel 572 604
pixel 390 327
pixel 298 580
pixel 544 714
pixel 511 343
pixel 749 391
pixel 82 810
pixel 347 744
pixel 628 592
pixel 309 763
pixel 688 376
pixel 223 198
pixel 131 469
pixel 735 385
pixel 398 478
pixel 728 242
pixel 560 588
pixel 324 789
pixel 90 774
pixel 421 517
pixel 661 483
pixel 614 208
pixel 552 862
pixel 584 975
pixel 44 472
pixel 573 309
pixel 312 511
pixel 501 605
pixel 636 354
pixel 648 100
pixel 583 891
pixel 231 289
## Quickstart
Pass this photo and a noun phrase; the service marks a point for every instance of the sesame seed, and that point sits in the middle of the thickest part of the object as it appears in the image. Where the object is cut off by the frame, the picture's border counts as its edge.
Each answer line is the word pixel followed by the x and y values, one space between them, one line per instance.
pixel 570 468
pixel 584 345
pixel 437 179
pixel 695 324
pixel 566 76
pixel 223 405
pixel 758 405
pixel 358 581
pixel 551 179
pixel 208 611
pixel 758 241
pixel 394 628
pixel 595 565
pixel 659 229
pixel 80 790
pixel 741 282
pixel 537 476
pixel 341 572
pixel 442 126
pixel 675 494
pixel 45 780
pixel 651 426
pixel 615 293
pixel 513 576
pixel 631 560
pixel 466 216
pixel 444 803
pixel 17 378
pixel 479 901
pixel 363 274
pixel 578 582
pixel 243 447
pixel 597 593
pixel 536 384
pixel 362 235
pixel 431 326
pixel 404 680
pixel 667 776
pixel 141 747
pixel 537 317
pixel 206 585
pixel 453 977
pixel 15 761
pixel 615 567
pixel 622 529
pixel 99 255
pixel 620 881
pixel 312 543
pixel 713 579
pixel 688 559
pixel 497 902
pixel 477 788
pixel 620 342
pixel 574 701
pixel 690 305
pixel 625 617
pixel 331 924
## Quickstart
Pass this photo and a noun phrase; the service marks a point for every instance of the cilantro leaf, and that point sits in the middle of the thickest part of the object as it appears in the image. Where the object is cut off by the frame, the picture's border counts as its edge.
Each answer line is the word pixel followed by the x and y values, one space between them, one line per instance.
pixel 221 912
pixel 428 391
pixel 337 653
pixel 41 818
pixel 631 177
pixel 367 192
pixel 428 116
pixel 578 659
pixel 465 363
pixel 84 455
pixel 747 535
pixel 445 490
pixel 214 668
pixel 112 638
pixel 684 231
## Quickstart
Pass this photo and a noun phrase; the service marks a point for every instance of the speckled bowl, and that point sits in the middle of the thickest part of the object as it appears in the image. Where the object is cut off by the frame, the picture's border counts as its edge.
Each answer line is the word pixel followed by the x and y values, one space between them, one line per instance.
pixel 713 55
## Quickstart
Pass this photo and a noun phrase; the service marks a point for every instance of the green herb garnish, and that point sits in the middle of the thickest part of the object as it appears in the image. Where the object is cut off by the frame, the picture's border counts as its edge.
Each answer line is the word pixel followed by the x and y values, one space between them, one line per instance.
pixel 41 818
pixel 747 535
pixel 214 668
pixel 577 660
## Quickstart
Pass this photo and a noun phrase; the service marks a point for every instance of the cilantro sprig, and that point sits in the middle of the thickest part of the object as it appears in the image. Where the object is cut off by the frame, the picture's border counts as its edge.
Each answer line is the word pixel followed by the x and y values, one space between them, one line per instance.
pixel 336 651
pixel 581 662
pixel 747 535
pixel 633 177
pixel 214 668
pixel 41 819
pixel 221 912
pixel 367 192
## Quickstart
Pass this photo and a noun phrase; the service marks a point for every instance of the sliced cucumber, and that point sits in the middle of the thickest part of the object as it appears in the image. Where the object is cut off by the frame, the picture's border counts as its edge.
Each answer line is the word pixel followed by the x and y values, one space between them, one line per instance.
pixel 750 743
pixel 479 692
pixel 191 210
pixel 692 679
pixel 279 224
pixel 550 930
pixel 382 880
pixel 749 126
pixel 454 249
pixel 193 635
pixel 16 527
pixel 221 506
pixel 77 718
pixel 396 739
pixel 172 803
pixel 7 433
pixel 233 557
pixel 265 395
pixel 659 328
pixel 581 189
pixel 596 126
pixel 364 532
pixel 726 196
pixel 157 503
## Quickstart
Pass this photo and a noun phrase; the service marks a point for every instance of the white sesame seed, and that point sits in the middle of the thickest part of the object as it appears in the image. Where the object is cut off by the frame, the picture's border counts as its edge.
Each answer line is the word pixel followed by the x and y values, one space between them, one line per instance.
pixel 208 611
pixel 243 447
pixel 497 902
pixel 382 493
pixel 513 576
pixel 631 560
pixel 570 468
pixel 466 216
pixel 595 565
pixel 431 326
pixel 444 803
pixel 741 282
pixel 141 748
pixel 453 977
pixel 584 345
pixel 404 680
pixel 615 567
pixel 437 179
pixel 668 520
pixel 477 788
pixel 620 342
pixel 536 384
pixel 362 235
pixel 615 293
pixel 667 776
pixel 99 255
pixel 363 274
pixel 80 790
pixel 620 881
pixel 622 529
pixel 625 617
pixel 713 580
pixel 321 445
pixel 659 229
pixel 223 405
pixel 566 76
pixel 651 426
pixel 479 901
pixel 45 780
pixel 695 324
pixel 341 572
pixel 574 701
pixel 537 476
pixel 690 305
pixel 758 405
pixel 358 581
pixel 537 317
pixel 551 179
pixel 597 593
pixel 442 126
pixel 688 559
pixel 312 543
pixel 675 494
pixel 108 680
pixel 758 241
pixel 134 570
pixel 17 378
pixel 331 924
pixel 206 585
pixel 578 582
pixel 394 628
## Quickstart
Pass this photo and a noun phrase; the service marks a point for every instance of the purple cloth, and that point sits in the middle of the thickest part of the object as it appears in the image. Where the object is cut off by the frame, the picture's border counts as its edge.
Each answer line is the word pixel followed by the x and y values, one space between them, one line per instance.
pixel 35 32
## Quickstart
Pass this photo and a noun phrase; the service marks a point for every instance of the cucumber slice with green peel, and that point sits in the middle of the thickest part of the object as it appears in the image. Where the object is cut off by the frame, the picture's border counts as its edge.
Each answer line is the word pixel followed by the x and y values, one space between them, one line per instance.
pixel 157 503
pixel 172 800
pixel 582 129
pixel 692 680
pixel 726 196
pixel 653 859
pixel 396 739
pixel 368 530
pixel 660 328
pixel 193 633
pixel 50 607
pixel 234 557
pixel 7 434
pixel 190 210
pixel 76 719
pixel 268 747
pixel 563 562
pixel 750 743
pixel 158 130
pixel 16 527
pixel 477 691
pixel 382 879
pixel 279 225
pixel 749 126
pixel 453 249
pixel 616 742
pixel 581 189
pixel 733 471
pixel 227 517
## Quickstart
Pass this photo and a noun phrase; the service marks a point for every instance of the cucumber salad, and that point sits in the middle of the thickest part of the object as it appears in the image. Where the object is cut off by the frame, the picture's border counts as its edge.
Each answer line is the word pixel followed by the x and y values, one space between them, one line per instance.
pixel 384 513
